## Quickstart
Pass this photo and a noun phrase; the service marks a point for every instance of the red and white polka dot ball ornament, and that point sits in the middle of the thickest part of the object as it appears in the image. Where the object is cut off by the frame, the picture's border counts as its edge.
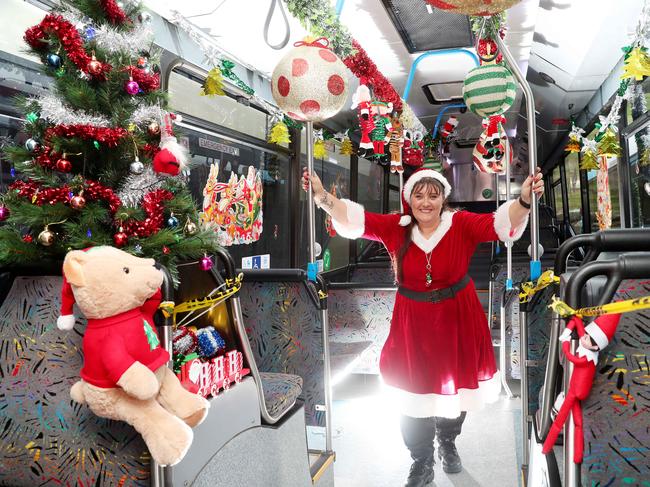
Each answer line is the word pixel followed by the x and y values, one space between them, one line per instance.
pixel 310 82
pixel 473 7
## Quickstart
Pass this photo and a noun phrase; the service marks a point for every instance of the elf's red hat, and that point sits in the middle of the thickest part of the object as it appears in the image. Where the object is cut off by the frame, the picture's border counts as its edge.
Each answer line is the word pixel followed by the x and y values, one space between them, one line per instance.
pixel 410 183
pixel 603 328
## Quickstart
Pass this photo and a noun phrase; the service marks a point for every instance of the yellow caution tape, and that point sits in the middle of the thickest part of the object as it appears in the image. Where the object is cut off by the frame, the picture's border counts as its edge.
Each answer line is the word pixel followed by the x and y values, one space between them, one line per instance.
pixel 167 308
pixel 564 310
pixel 528 289
pixel 232 287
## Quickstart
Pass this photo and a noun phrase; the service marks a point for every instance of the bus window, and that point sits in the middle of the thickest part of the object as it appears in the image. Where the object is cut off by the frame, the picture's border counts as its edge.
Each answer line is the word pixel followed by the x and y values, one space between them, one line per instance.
pixel 369 191
pixel 557 195
pixel 639 183
pixel 574 205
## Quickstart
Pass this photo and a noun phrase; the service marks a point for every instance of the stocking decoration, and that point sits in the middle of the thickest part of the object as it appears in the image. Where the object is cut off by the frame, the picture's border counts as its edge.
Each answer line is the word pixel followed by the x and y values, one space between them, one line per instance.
pixel 489 153
pixel 412 154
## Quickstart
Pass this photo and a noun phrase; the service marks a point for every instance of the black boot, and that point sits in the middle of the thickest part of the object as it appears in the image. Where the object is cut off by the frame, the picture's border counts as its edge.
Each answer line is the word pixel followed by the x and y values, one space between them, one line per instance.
pixel 418 434
pixel 447 430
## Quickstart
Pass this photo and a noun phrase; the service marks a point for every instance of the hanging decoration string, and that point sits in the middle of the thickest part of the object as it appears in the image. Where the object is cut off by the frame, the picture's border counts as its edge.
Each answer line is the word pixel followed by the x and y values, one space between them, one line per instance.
pixel 530 288
pixel 215 298
pixel 627 306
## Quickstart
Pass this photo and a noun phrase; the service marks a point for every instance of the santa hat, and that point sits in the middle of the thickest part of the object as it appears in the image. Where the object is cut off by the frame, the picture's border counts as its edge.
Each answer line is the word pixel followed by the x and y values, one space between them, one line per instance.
pixel 603 328
pixel 415 178
pixel 66 319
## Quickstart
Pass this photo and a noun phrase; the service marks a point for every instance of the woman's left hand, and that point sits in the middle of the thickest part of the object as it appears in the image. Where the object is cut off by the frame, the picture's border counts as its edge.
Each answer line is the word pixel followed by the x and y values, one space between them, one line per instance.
pixel 532 185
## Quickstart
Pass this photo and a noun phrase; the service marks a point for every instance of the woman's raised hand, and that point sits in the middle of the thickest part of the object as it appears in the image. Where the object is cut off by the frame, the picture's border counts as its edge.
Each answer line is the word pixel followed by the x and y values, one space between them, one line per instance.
pixel 532 185
pixel 316 184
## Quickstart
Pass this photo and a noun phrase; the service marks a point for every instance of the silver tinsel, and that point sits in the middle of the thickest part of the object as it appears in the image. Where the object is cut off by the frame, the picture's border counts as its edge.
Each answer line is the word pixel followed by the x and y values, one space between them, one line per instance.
pixel 146 113
pixel 110 39
pixel 135 186
pixel 54 111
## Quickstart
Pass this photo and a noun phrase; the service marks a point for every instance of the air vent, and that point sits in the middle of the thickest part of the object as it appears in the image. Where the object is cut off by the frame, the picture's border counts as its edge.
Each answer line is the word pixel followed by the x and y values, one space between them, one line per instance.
pixel 424 31
pixel 438 93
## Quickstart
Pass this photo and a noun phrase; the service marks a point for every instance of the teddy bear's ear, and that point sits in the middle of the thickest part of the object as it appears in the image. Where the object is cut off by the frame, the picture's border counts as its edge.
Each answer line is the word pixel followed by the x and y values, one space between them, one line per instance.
pixel 73 267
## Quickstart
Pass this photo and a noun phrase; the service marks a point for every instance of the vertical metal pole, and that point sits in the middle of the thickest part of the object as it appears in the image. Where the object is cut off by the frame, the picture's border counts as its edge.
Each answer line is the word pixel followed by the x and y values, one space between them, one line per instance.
pixel 535 264
pixel 508 196
pixel 327 381
pixel 502 347
pixel 401 187
pixel 523 359
pixel 311 217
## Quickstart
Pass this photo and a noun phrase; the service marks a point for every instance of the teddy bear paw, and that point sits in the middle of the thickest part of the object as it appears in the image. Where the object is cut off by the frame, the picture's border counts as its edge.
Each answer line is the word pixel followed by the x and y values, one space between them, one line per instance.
pixel 200 413
pixel 169 441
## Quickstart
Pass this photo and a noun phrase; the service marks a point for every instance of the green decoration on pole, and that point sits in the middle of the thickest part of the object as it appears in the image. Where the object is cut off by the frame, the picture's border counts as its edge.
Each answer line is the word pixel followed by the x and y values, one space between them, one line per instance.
pixel 327 260
pixel 152 338
pixel 31 117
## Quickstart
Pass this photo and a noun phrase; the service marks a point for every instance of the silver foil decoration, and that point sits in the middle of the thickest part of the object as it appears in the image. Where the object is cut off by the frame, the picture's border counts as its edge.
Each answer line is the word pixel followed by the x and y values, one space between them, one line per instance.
pixel 135 186
pixel 55 111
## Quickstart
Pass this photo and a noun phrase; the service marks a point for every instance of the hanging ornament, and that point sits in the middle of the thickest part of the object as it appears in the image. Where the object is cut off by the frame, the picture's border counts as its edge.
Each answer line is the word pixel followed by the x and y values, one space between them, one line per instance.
pixel 165 250
pixel 213 84
pixel 28 238
pixel 589 159
pixel 132 87
pixel 137 248
pixel 78 202
pixel 172 221
pixel 488 51
pixel 448 129
pixel 31 145
pixel 319 149
pixel 63 164
pixel 46 237
pixel 489 154
pixel 637 64
pixel 120 239
pixel 206 263
pixel 310 83
pixel 608 145
pixel 89 234
pixel 347 149
pixel 603 198
pixel 153 128
pixel 190 228
pixel 473 7
pixel 53 60
pixel 489 90
pixel 572 146
pixel 142 62
pixel 94 66
pixel 575 139
pixel 412 153
pixel 4 213
pixel 136 167
pixel 279 133
pixel 172 157
pixel 90 33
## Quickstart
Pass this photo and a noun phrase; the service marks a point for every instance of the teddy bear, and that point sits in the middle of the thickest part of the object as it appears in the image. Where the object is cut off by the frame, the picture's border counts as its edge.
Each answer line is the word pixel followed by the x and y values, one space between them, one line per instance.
pixel 125 375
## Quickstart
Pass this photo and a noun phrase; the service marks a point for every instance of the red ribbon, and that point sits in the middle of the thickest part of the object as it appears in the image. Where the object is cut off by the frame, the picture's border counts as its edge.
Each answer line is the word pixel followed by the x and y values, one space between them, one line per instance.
pixel 320 42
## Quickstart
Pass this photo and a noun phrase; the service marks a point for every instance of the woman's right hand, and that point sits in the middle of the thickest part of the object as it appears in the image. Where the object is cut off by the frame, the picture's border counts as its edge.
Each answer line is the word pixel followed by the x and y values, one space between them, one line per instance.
pixel 316 184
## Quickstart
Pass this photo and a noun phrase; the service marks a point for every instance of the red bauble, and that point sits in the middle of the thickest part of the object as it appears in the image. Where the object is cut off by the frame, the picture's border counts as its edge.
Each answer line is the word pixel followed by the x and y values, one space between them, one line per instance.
pixel 78 202
pixel 63 165
pixel 4 213
pixel 28 238
pixel 94 67
pixel 120 239
pixel 142 62
pixel 165 250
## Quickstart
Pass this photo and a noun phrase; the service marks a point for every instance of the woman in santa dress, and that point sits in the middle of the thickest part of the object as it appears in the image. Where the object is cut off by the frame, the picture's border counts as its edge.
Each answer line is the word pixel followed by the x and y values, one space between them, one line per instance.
pixel 438 359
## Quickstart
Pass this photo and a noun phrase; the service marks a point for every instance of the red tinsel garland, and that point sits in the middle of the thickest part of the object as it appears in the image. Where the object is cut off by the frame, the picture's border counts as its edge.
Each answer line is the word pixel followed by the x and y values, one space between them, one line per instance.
pixel 70 40
pixel 147 82
pixel 363 67
pixel 113 13
pixel 152 203
pixel 106 135
pixel 46 157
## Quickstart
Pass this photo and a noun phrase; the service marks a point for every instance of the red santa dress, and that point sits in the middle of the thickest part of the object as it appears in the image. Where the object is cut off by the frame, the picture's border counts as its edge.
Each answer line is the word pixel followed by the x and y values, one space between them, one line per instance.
pixel 438 358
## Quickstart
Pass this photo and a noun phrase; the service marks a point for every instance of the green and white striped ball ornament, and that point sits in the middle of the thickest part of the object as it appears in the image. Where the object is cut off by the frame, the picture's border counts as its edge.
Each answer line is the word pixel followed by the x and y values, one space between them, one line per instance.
pixel 489 90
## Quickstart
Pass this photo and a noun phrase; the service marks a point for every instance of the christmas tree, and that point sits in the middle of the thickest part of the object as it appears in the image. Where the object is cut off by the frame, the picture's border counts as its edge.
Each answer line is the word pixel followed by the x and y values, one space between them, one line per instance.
pixel 102 165
pixel 608 145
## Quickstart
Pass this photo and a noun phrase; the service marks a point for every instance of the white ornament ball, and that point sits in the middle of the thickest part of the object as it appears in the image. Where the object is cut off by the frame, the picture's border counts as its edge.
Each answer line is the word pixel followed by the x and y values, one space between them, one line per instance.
pixel 310 83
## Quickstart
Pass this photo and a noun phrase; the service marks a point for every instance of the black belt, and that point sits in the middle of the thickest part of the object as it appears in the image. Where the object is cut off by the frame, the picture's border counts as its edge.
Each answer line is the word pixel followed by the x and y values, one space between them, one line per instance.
pixel 437 294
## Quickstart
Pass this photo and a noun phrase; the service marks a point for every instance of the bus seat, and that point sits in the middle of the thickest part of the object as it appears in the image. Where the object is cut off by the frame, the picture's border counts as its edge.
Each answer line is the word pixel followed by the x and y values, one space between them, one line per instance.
pixel 280 391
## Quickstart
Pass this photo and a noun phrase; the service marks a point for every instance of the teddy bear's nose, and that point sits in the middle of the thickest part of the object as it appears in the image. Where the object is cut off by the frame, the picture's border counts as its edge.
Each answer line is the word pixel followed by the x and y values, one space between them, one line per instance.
pixel 157 265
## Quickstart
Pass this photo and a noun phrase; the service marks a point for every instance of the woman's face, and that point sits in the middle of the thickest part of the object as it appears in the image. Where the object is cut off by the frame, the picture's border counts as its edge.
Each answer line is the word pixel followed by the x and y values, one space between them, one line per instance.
pixel 426 203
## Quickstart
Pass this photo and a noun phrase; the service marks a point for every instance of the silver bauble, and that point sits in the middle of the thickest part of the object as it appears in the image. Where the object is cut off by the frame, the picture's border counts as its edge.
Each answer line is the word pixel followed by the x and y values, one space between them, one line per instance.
pixel 31 145
pixel 136 167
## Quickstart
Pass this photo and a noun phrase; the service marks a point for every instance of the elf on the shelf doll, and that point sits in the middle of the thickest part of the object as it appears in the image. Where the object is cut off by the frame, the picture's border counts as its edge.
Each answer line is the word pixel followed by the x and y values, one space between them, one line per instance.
pixel 593 338
pixel 361 101
pixel 380 134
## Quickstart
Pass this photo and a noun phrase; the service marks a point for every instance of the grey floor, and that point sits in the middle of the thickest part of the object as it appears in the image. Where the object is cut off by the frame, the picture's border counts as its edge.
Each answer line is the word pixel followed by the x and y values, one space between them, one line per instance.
pixel 370 452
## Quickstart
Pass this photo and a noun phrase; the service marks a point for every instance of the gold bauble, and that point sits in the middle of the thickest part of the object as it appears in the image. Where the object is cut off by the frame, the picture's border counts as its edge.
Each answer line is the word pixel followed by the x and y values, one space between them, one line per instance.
pixel 46 237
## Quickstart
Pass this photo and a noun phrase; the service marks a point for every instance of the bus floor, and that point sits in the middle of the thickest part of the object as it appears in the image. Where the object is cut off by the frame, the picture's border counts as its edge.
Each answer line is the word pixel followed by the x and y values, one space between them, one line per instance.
pixel 370 451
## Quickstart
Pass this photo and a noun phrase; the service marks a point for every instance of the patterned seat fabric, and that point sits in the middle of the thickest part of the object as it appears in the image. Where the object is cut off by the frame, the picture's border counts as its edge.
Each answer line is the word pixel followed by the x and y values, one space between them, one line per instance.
pixel 280 391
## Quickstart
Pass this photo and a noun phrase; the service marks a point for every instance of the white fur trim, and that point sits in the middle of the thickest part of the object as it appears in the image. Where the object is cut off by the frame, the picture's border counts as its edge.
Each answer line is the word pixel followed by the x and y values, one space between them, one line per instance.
pixel 597 334
pixel 424 173
pixel 179 151
pixel 65 322
pixel 428 244
pixel 588 354
pixel 503 226
pixel 356 221
pixel 405 220
pixel 445 405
